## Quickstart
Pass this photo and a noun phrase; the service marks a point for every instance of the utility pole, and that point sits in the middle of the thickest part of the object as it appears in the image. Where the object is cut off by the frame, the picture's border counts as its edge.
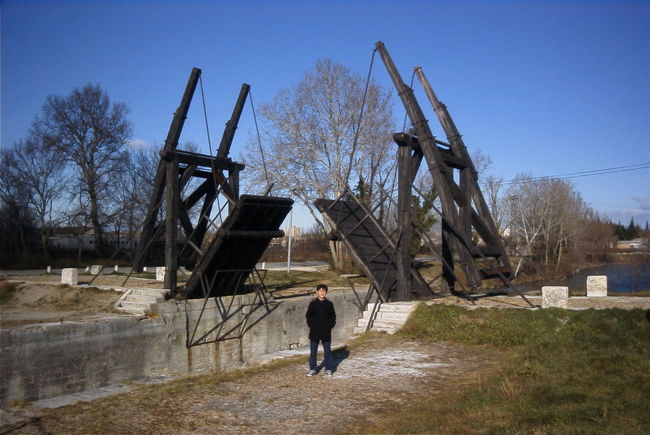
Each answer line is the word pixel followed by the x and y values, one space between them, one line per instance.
pixel 289 242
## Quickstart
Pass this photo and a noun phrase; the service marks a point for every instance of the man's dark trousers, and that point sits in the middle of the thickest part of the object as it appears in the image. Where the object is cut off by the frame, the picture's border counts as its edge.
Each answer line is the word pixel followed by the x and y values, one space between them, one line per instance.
pixel 327 349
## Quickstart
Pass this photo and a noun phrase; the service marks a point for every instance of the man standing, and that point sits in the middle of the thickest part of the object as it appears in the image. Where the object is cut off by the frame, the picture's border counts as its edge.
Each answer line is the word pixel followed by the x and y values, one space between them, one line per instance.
pixel 321 318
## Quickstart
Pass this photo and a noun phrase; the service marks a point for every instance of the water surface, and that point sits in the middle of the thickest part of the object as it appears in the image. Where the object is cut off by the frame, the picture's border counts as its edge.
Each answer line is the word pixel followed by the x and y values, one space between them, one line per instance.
pixel 621 278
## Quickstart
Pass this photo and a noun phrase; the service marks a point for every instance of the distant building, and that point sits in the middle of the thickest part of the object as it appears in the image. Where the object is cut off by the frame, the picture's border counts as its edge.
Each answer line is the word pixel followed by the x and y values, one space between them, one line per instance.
pixel 641 243
pixel 70 239
pixel 294 232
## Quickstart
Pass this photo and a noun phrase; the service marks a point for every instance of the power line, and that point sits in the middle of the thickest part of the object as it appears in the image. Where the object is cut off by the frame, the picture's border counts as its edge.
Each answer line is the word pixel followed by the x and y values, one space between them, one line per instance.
pixel 590 173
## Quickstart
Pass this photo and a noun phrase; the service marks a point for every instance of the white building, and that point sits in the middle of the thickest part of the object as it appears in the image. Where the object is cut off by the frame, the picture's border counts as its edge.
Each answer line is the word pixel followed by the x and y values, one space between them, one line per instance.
pixel 69 239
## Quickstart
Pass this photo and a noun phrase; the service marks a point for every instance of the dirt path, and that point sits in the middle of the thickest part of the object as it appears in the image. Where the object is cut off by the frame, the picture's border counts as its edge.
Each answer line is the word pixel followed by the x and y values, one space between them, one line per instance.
pixel 286 401
pixel 375 377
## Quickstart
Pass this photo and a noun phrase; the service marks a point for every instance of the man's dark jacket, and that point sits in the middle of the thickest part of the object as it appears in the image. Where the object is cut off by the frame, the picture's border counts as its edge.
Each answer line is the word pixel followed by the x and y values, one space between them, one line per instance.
pixel 321 318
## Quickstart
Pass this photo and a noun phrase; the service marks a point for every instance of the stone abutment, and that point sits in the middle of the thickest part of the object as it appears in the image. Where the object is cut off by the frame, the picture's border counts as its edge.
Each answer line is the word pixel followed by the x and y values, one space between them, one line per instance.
pixel 52 359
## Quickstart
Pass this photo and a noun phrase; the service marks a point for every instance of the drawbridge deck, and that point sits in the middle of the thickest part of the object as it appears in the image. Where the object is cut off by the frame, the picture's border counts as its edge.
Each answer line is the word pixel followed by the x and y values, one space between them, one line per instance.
pixel 372 247
pixel 238 246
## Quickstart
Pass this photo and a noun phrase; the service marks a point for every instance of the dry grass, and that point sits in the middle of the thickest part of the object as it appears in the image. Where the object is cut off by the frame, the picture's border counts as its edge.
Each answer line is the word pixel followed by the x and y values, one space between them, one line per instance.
pixel 7 291
pixel 280 280
pixel 276 398
pixel 25 302
pixel 567 372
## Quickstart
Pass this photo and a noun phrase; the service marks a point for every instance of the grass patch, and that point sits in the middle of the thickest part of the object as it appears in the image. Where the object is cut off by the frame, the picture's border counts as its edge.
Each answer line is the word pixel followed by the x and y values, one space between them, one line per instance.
pixel 567 372
pixel 69 298
pixel 279 280
pixel 7 291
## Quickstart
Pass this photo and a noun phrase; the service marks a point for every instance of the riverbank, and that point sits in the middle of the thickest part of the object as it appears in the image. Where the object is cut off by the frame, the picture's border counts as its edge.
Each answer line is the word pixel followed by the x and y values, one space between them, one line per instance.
pixel 627 274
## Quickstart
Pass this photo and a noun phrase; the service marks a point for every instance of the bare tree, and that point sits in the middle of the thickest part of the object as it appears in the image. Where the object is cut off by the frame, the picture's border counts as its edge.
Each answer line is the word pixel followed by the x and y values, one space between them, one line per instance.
pixel 17 223
pixel 136 183
pixel 310 133
pixel 497 203
pixel 598 237
pixel 565 222
pixel 528 211
pixel 481 161
pixel 492 187
pixel 89 132
pixel 547 216
pixel 39 171
pixel 133 192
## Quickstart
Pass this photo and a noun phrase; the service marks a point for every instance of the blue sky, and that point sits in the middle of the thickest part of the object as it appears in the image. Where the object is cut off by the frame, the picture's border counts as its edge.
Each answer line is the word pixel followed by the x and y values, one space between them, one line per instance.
pixel 546 88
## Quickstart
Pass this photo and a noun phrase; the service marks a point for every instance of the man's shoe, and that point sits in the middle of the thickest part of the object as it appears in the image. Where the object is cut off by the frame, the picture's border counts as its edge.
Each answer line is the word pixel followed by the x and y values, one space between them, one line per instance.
pixel 329 373
pixel 311 373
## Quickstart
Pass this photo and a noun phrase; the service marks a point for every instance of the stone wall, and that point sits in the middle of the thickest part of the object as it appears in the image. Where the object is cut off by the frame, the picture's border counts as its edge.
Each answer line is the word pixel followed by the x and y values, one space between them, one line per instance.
pixel 53 359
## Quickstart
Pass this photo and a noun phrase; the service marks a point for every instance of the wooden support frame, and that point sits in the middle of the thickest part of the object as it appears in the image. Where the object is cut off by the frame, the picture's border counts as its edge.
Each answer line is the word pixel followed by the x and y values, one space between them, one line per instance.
pixel 372 246
pixel 464 210
pixel 176 170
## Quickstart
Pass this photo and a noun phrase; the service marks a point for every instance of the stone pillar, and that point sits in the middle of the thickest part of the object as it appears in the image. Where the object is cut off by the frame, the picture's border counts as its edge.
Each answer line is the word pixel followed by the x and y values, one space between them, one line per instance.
pixel 596 286
pixel 555 296
pixel 69 276
pixel 160 273
pixel 95 269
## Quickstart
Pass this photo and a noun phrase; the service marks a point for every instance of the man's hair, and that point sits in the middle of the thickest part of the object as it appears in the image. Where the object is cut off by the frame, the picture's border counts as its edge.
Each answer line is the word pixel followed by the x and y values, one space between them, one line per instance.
pixel 321 286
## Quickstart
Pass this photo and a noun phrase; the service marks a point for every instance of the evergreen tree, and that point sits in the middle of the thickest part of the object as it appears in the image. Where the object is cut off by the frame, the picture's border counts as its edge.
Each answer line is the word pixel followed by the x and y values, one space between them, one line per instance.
pixel 620 231
pixel 423 216
pixel 632 230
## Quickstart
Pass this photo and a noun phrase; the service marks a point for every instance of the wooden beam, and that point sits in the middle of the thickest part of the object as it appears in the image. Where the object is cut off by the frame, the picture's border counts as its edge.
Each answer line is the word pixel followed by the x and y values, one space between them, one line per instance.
pixel 159 182
pixel 205 160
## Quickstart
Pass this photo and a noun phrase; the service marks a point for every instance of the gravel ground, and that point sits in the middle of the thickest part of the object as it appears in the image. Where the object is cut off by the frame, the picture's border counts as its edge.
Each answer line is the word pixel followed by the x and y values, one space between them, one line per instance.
pixel 374 378
pixel 288 402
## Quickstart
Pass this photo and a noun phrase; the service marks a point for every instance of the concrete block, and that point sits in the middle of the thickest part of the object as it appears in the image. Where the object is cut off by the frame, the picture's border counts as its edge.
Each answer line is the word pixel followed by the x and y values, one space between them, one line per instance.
pixel 555 296
pixel 371 306
pixel 95 269
pixel 70 276
pixel 136 307
pixel 160 273
pixel 149 299
pixel 398 307
pixel 596 286
pixel 394 316
pixel 386 324
pixel 149 292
